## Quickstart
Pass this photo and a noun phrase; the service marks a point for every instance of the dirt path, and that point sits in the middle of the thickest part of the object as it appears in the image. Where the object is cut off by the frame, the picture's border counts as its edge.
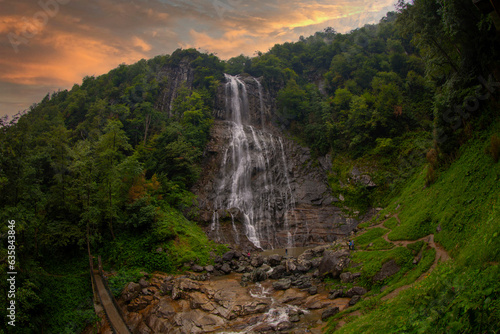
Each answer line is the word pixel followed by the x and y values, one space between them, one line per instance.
pixel 113 316
pixel 441 256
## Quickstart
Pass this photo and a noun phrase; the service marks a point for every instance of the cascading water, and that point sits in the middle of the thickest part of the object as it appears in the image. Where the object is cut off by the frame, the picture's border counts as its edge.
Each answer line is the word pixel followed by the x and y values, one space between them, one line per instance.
pixel 254 185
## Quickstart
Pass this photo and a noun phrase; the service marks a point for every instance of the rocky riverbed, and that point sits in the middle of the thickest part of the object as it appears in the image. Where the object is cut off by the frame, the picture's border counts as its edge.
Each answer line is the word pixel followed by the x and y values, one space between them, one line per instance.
pixel 256 294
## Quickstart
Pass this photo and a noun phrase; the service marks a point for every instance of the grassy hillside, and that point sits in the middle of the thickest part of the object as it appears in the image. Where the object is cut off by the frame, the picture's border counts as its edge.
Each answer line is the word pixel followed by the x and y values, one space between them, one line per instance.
pixel 462 210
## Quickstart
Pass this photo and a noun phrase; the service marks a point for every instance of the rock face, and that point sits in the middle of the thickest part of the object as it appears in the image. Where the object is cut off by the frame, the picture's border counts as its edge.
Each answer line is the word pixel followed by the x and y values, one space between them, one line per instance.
pixel 259 190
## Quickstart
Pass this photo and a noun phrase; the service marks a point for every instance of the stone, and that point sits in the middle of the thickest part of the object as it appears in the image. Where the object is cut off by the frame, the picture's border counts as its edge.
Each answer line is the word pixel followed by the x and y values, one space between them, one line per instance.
pixel 226 268
pixel 257 261
pixel 313 290
pixel 388 269
pixel 346 277
pixel 355 291
pixel 282 284
pixel 338 293
pixel 228 256
pixel 139 303
pixel 354 300
pixel 333 263
pixel 258 275
pixel 143 283
pixel 316 302
pixel 329 312
pixel 131 291
pixel 209 268
pixel 277 272
pixel 197 268
pixel 274 259
pixel 284 326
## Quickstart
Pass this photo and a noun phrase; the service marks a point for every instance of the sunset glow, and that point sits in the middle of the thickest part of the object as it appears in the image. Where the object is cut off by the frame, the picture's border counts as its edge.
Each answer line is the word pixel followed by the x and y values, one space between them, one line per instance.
pixel 44 48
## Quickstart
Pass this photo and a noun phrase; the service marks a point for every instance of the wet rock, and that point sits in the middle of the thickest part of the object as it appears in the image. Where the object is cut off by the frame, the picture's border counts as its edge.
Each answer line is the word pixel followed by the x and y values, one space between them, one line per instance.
pixel 346 277
pixel 329 312
pixel 294 318
pixel 274 259
pixel 293 296
pixel 131 291
pixel 316 302
pixel 354 300
pixel 284 326
pixel 197 321
pixel 282 284
pixel 333 263
pixel 388 269
pixel 354 291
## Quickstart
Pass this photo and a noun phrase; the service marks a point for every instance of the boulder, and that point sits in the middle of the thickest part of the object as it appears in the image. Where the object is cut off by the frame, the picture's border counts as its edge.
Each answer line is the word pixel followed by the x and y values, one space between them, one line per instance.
pixel 282 284
pixel 329 312
pixel 274 259
pixel 131 291
pixel 313 290
pixel 139 303
pixel 338 293
pixel 333 263
pixel 388 269
pixel 143 283
pixel 209 268
pixel 258 275
pixel 197 268
pixel 277 272
pixel 346 277
pixel 354 300
pixel 316 262
pixel 226 269
pixel 355 291
pixel 228 256
pixel 257 261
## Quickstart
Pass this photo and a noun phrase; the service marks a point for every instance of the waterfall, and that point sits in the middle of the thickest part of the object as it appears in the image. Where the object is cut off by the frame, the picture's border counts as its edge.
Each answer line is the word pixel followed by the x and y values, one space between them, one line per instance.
pixel 254 185
pixel 261 102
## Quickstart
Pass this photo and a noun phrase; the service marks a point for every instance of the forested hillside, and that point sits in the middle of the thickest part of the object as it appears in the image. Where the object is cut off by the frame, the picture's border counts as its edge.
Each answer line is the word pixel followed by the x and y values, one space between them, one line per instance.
pixel 105 166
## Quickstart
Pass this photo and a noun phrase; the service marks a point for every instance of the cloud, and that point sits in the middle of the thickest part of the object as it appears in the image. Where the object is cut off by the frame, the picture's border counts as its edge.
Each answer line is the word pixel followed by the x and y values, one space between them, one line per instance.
pixel 92 37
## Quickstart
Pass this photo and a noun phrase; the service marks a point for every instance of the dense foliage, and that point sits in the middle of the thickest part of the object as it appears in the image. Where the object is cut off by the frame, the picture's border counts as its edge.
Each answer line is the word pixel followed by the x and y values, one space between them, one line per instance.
pixel 103 165
pixel 97 164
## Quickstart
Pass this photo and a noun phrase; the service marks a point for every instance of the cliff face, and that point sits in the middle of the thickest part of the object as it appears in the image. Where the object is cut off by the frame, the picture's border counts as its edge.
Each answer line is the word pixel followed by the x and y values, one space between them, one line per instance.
pixel 175 77
pixel 259 189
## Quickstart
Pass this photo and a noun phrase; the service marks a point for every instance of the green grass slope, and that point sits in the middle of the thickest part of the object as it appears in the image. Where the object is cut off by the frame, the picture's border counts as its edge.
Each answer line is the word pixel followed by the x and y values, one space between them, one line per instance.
pixel 462 210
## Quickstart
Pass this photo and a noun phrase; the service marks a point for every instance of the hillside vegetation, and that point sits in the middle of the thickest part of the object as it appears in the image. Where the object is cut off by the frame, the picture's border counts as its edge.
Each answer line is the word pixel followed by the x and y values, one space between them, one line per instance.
pixel 412 100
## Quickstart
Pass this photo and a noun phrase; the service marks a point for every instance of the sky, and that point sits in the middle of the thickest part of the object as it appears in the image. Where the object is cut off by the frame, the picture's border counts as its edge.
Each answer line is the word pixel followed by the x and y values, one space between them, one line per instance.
pixel 49 45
